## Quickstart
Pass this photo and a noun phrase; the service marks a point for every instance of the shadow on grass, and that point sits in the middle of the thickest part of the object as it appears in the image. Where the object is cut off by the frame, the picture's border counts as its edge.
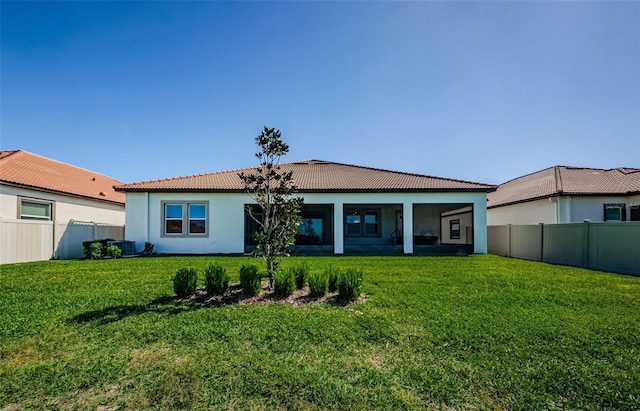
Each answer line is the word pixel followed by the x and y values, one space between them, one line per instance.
pixel 173 305
pixel 162 305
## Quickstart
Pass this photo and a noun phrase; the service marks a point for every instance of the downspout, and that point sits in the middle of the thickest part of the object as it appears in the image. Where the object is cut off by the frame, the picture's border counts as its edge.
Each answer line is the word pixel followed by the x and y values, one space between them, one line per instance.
pixel 146 231
pixel 556 208
pixel 559 191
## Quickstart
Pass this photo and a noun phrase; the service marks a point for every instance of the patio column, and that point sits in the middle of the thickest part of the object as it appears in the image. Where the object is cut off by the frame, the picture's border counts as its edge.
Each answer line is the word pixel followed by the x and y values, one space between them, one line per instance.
pixel 338 228
pixel 480 226
pixel 407 227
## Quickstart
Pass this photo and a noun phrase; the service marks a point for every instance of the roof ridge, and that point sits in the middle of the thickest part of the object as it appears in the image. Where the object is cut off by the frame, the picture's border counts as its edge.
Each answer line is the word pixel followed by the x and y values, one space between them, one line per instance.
pixel 526 175
pixel 11 152
pixel 308 161
pixel 405 173
pixel 67 164
pixel 558 180
pixel 627 170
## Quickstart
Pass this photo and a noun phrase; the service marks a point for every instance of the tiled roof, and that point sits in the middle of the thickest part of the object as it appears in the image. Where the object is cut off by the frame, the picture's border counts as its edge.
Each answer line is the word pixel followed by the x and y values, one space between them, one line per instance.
pixel 568 181
pixel 315 176
pixel 22 168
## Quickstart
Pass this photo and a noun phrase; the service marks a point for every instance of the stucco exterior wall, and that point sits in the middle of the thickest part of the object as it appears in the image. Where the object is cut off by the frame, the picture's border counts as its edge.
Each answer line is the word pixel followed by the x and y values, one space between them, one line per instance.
pixel 531 212
pixel 560 209
pixel 466 224
pixel 591 208
pixel 66 208
pixel 226 217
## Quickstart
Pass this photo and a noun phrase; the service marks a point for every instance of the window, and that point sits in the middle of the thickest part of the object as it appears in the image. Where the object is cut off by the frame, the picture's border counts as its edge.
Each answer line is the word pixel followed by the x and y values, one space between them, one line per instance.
pixel 310 230
pixel 371 223
pixel 362 223
pixel 173 218
pixel 197 219
pixel 353 223
pixel 35 210
pixel 614 212
pixel 454 229
pixel 634 212
pixel 183 219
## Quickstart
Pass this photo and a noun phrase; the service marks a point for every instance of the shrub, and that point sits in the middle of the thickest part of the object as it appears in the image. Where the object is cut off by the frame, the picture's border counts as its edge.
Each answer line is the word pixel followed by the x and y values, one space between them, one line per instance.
pixel 86 248
pixel 114 251
pixel 284 283
pixel 332 275
pixel 250 280
pixel 148 249
pixel 185 282
pixel 94 252
pixel 301 273
pixel 319 284
pixel 350 284
pixel 216 279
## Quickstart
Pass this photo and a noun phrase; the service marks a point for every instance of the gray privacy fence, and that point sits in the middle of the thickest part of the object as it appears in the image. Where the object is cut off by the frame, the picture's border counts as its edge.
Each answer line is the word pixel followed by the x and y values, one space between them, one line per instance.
pixel 599 246
pixel 28 240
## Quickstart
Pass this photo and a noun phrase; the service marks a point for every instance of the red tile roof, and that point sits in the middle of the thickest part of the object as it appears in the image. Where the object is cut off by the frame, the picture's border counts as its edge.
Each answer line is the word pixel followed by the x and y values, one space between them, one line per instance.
pixel 316 176
pixel 566 180
pixel 25 169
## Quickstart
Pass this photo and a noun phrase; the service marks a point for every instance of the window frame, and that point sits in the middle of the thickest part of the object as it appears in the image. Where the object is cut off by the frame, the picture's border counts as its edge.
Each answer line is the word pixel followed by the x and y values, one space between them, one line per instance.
pixel 185 218
pixel 362 229
pixel 620 206
pixel 49 203
pixel 452 231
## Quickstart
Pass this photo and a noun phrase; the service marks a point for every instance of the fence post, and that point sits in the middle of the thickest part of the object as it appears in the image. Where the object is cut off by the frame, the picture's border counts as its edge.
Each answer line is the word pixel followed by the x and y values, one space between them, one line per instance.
pixel 585 244
pixel 541 241
pixel 53 241
pixel 95 226
pixel 509 240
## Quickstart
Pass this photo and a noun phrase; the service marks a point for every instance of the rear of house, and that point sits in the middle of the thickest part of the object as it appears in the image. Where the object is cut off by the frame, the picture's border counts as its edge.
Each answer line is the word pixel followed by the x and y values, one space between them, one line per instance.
pixel 347 209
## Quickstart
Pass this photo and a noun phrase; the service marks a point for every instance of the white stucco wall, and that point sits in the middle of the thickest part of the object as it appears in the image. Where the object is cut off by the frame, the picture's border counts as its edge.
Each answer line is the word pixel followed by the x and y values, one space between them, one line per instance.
pixel 466 220
pixel 226 217
pixel 562 209
pixel 66 208
pixel 531 212
pixel 592 208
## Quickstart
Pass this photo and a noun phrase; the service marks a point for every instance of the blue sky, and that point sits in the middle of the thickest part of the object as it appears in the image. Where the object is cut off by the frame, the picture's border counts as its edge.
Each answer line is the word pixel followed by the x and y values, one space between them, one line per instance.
pixel 481 91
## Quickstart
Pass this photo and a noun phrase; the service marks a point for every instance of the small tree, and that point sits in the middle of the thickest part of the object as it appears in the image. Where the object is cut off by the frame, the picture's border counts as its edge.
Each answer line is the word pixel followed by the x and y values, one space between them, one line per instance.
pixel 274 191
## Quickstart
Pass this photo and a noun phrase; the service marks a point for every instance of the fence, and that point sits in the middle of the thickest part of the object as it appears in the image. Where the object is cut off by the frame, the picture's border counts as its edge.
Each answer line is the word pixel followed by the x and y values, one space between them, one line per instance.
pixel 599 246
pixel 28 240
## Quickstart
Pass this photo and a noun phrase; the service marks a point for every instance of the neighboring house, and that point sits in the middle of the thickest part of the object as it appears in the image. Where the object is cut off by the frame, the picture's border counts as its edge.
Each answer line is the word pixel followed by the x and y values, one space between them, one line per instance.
pixel 564 194
pixel 33 187
pixel 347 209
pixel 48 208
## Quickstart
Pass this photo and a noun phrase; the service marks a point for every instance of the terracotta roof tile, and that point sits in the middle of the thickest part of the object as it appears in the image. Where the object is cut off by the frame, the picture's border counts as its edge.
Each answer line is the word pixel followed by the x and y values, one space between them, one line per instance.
pixel 569 181
pixel 315 175
pixel 26 169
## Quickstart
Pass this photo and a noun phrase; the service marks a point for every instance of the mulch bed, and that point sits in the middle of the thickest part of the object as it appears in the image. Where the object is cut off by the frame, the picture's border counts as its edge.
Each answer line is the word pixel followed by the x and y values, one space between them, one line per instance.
pixel 234 295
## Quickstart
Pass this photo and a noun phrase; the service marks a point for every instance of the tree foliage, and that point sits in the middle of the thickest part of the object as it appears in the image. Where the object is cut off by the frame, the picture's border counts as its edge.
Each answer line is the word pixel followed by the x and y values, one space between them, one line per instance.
pixel 274 192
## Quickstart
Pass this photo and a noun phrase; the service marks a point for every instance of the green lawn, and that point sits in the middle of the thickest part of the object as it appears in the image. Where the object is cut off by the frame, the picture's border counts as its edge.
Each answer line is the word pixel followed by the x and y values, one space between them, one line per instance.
pixel 478 332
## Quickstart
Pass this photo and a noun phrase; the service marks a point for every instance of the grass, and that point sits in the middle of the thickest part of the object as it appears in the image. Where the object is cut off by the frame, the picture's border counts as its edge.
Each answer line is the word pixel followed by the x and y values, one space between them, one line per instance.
pixel 478 332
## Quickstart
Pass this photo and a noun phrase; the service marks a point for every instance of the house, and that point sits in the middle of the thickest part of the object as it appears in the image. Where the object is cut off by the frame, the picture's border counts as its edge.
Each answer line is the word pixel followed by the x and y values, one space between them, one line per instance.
pixel 48 208
pixel 563 194
pixel 347 209
pixel 34 187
